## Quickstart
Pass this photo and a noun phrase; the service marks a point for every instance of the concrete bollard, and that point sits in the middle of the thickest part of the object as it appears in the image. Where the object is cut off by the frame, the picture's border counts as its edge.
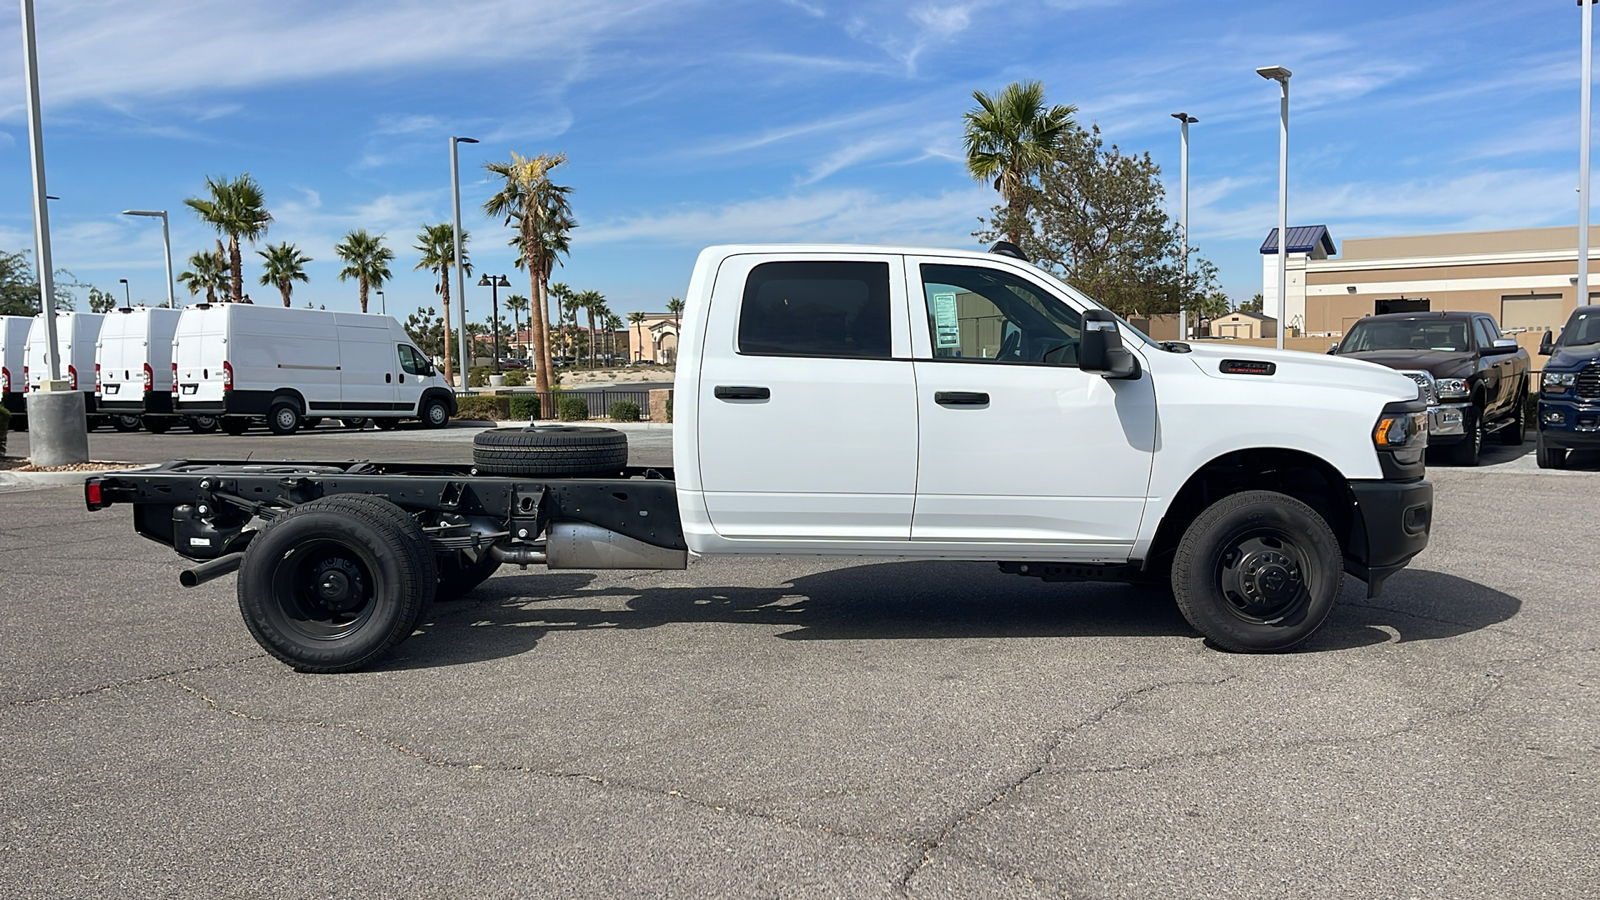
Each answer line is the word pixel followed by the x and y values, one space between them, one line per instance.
pixel 58 428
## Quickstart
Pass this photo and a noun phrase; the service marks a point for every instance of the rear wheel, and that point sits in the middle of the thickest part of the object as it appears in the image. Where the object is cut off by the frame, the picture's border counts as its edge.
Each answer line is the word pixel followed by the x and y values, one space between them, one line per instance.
pixel 333 584
pixel 204 424
pixel 1512 435
pixel 1549 457
pixel 1257 572
pixel 283 418
pixel 125 423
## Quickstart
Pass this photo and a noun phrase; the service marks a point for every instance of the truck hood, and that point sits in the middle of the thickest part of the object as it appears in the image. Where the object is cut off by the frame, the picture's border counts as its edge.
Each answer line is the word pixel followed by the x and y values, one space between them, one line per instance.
pixel 1574 357
pixel 1312 369
pixel 1442 363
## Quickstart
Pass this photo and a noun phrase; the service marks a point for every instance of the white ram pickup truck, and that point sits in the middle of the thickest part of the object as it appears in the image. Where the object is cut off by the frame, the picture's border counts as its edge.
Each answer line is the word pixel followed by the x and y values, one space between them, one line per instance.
pixel 862 401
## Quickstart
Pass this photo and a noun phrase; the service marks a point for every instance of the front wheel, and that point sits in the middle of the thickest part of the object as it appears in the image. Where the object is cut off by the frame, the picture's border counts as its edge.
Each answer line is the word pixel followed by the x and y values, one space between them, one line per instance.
pixel 1257 572
pixel 1467 452
pixel 1512 435
pixel 334 583
pixel 435 413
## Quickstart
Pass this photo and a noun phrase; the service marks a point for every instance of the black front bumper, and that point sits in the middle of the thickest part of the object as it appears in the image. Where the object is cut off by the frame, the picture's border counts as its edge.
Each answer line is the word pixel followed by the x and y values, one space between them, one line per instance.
pixel 1390 527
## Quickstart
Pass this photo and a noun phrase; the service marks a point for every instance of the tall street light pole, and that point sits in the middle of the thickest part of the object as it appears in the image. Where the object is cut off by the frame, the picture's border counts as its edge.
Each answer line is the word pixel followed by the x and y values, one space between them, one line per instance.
pixel 1281 76
pixel 41 210
pixel 1183 216
pixel 461 287
pixel 495 283
pixel 127 293
pixel 166 241
pixel 1583 152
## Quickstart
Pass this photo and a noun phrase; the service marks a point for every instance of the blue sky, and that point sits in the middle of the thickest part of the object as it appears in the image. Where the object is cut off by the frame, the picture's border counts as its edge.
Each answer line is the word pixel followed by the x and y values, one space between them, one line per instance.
pixel 692 123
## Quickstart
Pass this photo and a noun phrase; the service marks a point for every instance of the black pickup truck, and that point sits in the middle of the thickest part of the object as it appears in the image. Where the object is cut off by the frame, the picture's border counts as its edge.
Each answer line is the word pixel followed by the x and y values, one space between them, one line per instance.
pixel 1474 381
pixel 1569 397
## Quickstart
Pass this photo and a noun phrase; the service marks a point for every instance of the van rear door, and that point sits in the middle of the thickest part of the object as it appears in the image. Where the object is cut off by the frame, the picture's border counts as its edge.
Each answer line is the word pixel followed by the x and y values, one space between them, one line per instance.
pixel 200 348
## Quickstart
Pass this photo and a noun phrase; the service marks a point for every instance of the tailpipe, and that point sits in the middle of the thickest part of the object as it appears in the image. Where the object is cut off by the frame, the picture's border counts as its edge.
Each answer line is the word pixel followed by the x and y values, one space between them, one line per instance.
pixel 517 554
pixel 580 545
pixel 206 571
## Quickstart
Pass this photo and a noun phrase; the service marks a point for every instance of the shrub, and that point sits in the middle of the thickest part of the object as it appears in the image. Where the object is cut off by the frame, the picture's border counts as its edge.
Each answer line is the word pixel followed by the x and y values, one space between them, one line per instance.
pixel 5 427
pixel 669 409
pixel 478 376
pixel 491 409
pixel 572 409
pixel 624 411
pixel 516 377
pixel 525 406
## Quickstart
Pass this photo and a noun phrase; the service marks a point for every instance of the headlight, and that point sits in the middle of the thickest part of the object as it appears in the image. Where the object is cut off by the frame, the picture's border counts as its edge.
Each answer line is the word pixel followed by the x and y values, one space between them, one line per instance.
pixel 1402 430
pixel 1452 388
pixel 1558 382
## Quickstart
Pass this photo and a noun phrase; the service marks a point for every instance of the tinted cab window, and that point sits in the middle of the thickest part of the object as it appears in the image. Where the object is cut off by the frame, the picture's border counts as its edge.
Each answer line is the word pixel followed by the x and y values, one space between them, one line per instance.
pixel 412 362
pixel 827 309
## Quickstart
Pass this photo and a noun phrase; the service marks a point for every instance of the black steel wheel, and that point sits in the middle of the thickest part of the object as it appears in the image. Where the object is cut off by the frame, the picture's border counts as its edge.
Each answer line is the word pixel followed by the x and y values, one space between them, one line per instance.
pixel 1466 452
pixel 1257 572
pixel 125 424
pixel 204 424
pixel 283 418
pixel 334 584
pixel 553 450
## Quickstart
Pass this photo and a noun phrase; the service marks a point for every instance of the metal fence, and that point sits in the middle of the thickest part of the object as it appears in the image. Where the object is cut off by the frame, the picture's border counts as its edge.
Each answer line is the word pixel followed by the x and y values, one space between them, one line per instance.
pixel 597 402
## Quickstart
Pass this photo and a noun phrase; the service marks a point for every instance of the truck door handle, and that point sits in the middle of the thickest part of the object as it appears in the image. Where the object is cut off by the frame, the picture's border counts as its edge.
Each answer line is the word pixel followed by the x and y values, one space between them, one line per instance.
pixel 961 398
pixel 741 392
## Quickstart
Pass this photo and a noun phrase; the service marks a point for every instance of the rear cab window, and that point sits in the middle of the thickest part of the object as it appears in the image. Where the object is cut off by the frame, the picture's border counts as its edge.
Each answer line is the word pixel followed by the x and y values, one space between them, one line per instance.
pixel 834 309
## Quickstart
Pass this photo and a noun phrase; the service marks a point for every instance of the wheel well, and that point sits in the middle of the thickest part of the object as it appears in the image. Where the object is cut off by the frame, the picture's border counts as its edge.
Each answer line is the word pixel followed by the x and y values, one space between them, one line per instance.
pixel 1308 479
pixel 290 395
pixel 429 394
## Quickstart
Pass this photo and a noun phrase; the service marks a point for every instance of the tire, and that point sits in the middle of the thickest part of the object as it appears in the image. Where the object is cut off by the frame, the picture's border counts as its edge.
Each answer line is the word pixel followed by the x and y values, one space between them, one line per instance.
pixel 235 425
pixel 204 424
pixel 555 450
pixel 386 424
pixel 1466 453
pixel 283 418
pixel 357 422
pixel 125 424
pixel 159 424
pixel 310 422
pixel 435 413
pixel 1257 572
pixel 458 577
pixel 1549 457
pixel 1513 434
pixel 373 565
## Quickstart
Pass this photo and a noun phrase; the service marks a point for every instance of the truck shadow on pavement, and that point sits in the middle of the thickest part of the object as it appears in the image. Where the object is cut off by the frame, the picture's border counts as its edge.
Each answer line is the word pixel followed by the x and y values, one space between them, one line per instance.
pixel 508 615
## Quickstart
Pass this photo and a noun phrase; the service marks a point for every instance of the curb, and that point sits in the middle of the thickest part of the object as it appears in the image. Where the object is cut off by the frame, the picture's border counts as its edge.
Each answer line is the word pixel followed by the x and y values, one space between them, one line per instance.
pixel 38 480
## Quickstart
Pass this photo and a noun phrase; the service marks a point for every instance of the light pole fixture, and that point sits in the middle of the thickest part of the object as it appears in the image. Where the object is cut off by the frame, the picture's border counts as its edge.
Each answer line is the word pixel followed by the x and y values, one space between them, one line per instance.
pixel 384 304
pixel 1281 76
pixel 41 209
pixel 461 288
pixel 166 241
pixel 1183 215
pixel 1583 152
pixel 495 283
pixel 127 293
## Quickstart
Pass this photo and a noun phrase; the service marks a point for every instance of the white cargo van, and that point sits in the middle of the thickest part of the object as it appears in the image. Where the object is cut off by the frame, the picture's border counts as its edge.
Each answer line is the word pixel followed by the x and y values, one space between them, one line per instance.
pixel 76 335
pixel 134 363
pixel 13 346
pixel 241 361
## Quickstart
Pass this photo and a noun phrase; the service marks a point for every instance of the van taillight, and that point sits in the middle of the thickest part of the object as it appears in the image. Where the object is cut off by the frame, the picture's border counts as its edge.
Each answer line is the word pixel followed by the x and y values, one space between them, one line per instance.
pixel 174 378
pixel 72 377
pixel 5 380
pixel 149 378
pixel 227 375
pixel 97 378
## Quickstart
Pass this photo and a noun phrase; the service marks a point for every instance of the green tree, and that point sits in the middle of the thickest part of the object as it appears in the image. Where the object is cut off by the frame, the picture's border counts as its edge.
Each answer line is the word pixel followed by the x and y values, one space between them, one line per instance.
pixel 208 271
pixel 283 265
pixel 366 260
pixel 101 301
pixel 438 246
pixel 538 209
pixel 613 324
pixel 1012 138
pixel 19 289
pixel 566 301
pixel 1252 305
pixel 426 330
pixel 516 303
pixel 636 319
pixel 236 208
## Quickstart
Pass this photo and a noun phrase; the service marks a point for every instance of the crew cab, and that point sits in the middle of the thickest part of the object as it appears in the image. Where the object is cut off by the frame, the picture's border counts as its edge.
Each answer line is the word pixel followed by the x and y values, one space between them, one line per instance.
pixel 1569 392
pixel 1474 380
pixel 860 401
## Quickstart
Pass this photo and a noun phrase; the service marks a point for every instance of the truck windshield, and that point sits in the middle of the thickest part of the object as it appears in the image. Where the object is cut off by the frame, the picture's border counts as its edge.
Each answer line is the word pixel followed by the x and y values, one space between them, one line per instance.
pixel 1582 328
pixel 1408 334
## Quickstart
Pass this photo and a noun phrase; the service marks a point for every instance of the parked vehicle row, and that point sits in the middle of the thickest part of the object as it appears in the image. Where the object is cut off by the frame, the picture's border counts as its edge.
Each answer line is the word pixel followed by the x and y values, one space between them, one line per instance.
pixel 227 365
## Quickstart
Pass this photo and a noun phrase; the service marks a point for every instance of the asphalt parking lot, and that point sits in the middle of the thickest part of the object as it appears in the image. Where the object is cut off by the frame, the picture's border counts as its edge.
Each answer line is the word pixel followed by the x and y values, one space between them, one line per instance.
pixel 804 728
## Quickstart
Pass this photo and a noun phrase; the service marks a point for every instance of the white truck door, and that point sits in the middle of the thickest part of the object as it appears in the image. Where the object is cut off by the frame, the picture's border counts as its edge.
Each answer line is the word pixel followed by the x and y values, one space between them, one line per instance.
pixel 807 406
pixel 412 371
pixel 1018 446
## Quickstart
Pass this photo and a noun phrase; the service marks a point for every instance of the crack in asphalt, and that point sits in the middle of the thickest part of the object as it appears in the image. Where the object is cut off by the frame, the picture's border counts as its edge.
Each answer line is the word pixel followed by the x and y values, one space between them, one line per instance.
pixel 558 775
pixel 132 682
pixel 902 885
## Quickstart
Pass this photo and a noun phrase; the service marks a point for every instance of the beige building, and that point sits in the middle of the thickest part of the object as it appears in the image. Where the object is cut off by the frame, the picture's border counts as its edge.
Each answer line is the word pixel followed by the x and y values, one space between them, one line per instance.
pixel 1245 325
pixel 656 338
pixel 1525 278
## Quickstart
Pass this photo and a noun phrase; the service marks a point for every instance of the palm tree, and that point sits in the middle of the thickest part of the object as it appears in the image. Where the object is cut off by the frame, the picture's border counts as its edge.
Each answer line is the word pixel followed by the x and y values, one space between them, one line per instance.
pixel 366 260
pixel 207 272
pixel 561 294
pixel 636 319
pixel 237 209
pixel 593 304
pixel 537 207
pixel 675 307
pixel 613 324
pixel 568 306
pixel 516 303
pixel 284 265
pixel 438 246
pixel 1011 138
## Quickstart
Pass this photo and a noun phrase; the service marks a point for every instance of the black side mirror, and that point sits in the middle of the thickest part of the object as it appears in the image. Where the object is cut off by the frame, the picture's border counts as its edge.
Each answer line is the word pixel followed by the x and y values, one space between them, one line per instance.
pixel 1333 349
pixel 1545 346
pixel 1100 349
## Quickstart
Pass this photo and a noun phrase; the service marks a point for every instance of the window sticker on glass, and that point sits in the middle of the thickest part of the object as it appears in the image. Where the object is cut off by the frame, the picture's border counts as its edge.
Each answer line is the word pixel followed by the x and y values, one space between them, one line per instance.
pixel 947 326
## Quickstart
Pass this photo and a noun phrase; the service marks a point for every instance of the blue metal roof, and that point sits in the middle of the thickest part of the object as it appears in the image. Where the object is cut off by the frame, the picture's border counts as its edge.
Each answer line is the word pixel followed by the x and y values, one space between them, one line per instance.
pixel 1302 239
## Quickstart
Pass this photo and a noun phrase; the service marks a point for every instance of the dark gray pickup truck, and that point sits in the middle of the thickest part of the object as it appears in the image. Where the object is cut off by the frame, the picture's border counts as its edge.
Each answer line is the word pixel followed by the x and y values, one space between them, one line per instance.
pixel 1474 380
